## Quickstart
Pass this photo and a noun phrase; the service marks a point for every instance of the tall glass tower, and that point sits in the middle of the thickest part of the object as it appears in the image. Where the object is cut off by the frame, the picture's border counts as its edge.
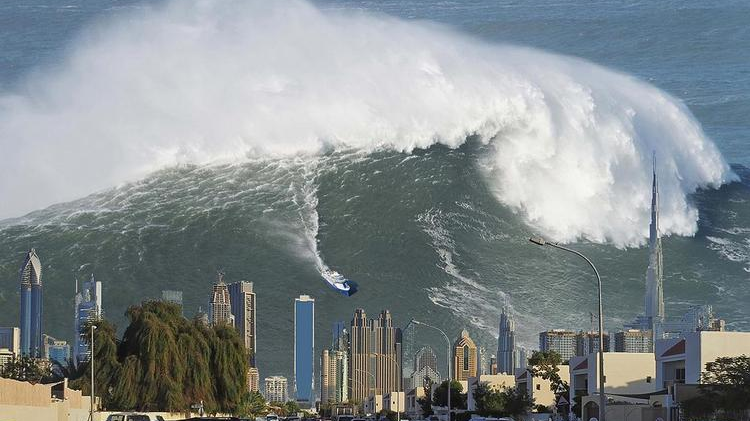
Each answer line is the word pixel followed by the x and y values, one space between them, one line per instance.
pixel 88 308
pixel 30 276
pixel 506 343
pixel 304 349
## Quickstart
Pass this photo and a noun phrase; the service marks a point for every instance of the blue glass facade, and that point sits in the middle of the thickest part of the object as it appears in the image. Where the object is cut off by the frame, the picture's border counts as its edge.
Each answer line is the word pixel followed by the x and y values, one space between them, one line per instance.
pixel 304 322
pixel 30 276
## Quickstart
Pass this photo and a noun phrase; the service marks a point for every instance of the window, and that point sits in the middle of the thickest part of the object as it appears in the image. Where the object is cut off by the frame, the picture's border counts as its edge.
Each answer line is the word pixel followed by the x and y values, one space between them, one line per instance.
pixel 466 357
pixel 648 380
pixel 679 375
pixel 538 387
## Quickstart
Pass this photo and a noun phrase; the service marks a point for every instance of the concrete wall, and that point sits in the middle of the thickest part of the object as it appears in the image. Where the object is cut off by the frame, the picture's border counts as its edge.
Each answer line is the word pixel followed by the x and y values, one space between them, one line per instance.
pixel 495 381
pixel 713 345
pixel 626 373
pixel 22 401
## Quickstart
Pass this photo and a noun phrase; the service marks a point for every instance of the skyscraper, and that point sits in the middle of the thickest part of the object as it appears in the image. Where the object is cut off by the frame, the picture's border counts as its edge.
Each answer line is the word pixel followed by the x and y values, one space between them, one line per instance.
pixel 464 357
pixel 387 341
pixel 30 276
pixel 174 297
pixel 588 342
pixel 242 299
pixel 304 349
pixel 654 276
pixel 359 356
pixel 334 373
pixel 56 350
pixel 634 340
pixel 276 389
pixel 220 305
pixel 88 308
pixel 559 340
pixel 425 357
pixel 10 338
pixel 506 343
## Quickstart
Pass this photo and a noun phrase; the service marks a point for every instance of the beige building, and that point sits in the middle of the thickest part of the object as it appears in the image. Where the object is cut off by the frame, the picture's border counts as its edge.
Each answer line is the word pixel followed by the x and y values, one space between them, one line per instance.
pixel 395 402
pixel 626 375
pixel 374 356
pixel 464 357
pixel 496 382
pixel 373 404
pixel 684 360
pixel 537 388
pixel 220 304
pixel 253 379
pixel 22 401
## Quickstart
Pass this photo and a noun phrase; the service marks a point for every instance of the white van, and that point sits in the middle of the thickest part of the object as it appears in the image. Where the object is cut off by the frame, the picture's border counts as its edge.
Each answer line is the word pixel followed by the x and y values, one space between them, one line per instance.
pixel 134 416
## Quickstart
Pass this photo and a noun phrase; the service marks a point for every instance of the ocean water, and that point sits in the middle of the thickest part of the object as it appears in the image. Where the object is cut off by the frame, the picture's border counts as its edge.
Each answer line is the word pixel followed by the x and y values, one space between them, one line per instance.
pixel 423 189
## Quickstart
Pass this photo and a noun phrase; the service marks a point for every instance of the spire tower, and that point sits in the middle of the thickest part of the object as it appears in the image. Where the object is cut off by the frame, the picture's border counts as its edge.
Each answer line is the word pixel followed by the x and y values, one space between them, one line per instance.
pixel 654 277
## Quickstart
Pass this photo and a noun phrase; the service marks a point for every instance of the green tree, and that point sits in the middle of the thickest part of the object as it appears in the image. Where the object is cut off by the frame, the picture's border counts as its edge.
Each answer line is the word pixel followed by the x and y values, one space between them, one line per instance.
pixel 545 365
pixel 166 362
pixel 458 399
pixel 425 402
pixel 724 390
pixel 26 369
pixel 518 402
pixel 504 402
pixel 291 408
pixel 252 405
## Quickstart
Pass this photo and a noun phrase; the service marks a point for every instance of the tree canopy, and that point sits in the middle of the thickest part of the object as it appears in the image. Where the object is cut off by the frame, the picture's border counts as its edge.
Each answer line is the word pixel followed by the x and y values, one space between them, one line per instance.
pixel 166 362
pixel 458 399
pixel 26 369
pixel 501 402
pixel 724 390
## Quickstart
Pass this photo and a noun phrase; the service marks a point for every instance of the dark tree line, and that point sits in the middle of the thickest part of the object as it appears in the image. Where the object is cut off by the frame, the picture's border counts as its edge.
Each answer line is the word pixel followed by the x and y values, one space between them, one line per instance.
pixel 168 363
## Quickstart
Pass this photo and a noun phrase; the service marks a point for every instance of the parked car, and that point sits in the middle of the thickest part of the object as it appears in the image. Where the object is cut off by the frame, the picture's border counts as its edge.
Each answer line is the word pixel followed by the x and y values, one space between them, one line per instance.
pixel 346 417
pixel 134 416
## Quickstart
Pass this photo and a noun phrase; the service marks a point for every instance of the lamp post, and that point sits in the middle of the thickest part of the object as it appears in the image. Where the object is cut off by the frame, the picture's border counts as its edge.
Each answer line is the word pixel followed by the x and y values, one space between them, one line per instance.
pixel 91 362
pixel 448 341
pixel 602 397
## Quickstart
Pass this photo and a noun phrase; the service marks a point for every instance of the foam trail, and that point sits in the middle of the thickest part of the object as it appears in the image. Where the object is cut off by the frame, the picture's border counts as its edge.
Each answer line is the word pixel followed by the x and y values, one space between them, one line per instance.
pixel 201 81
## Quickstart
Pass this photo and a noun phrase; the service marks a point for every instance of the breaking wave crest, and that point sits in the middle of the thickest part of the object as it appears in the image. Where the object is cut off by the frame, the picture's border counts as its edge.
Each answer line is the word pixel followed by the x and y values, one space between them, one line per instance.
pixel 202 81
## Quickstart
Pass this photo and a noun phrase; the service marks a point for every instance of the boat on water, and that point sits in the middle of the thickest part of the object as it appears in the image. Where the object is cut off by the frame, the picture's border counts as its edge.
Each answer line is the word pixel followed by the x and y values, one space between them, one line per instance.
pixel 337 281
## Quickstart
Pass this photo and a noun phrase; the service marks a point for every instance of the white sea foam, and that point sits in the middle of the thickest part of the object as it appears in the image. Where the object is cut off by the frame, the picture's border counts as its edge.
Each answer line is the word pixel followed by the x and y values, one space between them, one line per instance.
pixel 200 81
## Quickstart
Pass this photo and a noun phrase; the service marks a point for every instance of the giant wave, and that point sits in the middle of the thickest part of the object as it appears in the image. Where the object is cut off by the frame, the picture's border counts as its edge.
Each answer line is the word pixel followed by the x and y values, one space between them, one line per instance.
pixel 206 81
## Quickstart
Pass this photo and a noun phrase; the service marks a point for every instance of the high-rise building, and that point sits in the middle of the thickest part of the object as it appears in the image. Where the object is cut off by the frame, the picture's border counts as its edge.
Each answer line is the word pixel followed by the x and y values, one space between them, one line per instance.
pixel 360 356
pixel 464 357
pixel 10 338
pixel 375 355
pixel 588 342
pixel 634 340
pixel 276 389
pixel 174 297
pixel 493 365
pixel 522 358
pixel 387 341
pixel 340 339
pixel 506 343
pixel 559 340
pixel 334 374
pixel 30 276
pixel 56 350
pixel 304 349
pixel 242 300
pixel 425 357
pixel 220 305
pixel 481 361
pixel 654 276
pixel 253 379
pixel 88 308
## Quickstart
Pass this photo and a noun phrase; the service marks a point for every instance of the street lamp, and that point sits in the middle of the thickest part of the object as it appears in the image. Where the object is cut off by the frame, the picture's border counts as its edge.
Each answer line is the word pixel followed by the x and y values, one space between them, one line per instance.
pixel 602 397
pixel 448 341
pixel 91 362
